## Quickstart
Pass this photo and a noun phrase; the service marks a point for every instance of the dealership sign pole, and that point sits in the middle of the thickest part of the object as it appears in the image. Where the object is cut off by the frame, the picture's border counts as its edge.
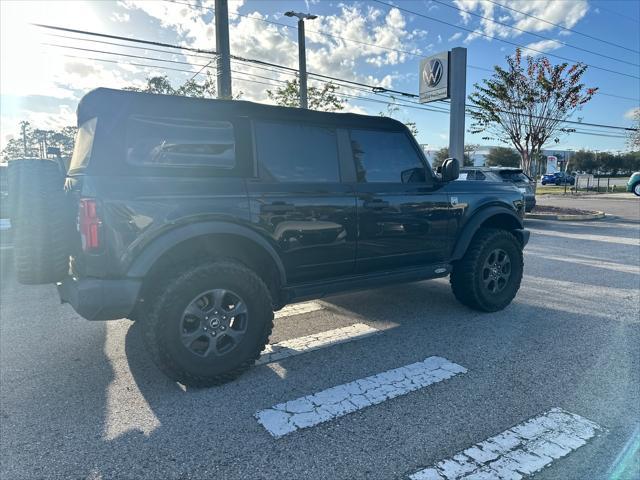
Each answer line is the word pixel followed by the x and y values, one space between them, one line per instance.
pixel 443 76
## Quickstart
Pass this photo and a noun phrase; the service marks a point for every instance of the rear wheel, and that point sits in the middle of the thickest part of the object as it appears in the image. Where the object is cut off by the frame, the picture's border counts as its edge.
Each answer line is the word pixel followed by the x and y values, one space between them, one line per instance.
pixel 40 220
pixel 210 324
pixel 488 277
pixel 636 189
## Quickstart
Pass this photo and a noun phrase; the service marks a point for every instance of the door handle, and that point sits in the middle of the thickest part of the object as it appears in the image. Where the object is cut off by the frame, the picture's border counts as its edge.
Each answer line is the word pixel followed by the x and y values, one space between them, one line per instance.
pixel 375 204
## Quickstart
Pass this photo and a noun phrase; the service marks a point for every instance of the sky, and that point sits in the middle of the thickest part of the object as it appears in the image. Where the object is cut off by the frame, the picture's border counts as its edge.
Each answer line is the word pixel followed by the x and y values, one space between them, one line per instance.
pixel 44 73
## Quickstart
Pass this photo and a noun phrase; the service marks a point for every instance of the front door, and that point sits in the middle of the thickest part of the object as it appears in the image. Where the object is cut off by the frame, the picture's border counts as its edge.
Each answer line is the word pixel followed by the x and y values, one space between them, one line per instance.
pixel 402 210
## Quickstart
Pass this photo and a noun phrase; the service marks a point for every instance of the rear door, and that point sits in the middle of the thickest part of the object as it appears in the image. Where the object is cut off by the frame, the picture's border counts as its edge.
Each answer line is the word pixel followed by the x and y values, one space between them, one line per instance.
pixel 299 201
pixel 402 210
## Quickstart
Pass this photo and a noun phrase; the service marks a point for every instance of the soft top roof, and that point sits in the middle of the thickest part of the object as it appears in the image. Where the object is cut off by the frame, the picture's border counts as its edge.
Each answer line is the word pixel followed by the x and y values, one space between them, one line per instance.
pixel 107 102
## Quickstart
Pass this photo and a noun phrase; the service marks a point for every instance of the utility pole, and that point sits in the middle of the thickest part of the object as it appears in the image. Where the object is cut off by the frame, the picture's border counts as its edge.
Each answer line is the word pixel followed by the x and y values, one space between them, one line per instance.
pixel 457 89
pixel 223 49
pixel 302 57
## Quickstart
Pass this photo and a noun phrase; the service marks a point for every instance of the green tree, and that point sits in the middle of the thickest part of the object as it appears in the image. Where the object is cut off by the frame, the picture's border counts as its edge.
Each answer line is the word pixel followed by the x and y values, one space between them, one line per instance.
pixel 324 99
pixel 37 141
pixel 525 104
pixel 503 157
pixel 584 161
pixel 441 155
pixel 633 139
pixel 191 88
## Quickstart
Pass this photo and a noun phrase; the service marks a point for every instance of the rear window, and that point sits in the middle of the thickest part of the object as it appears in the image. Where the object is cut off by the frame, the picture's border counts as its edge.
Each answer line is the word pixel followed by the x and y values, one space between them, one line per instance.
pixel 180 142
pixel 515 177
pixel 83 145
pixel 289 152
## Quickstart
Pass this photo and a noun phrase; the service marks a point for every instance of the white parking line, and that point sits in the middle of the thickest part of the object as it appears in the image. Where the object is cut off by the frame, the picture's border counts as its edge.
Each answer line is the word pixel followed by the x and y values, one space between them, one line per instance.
pixel 595 238
pixel 299 309
pixel 616 267
pixel 521 450
pixel 308 343
pixel 335 402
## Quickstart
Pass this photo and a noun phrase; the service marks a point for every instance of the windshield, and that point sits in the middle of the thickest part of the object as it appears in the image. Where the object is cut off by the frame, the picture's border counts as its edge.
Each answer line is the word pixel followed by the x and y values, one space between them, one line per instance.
pixel 83 145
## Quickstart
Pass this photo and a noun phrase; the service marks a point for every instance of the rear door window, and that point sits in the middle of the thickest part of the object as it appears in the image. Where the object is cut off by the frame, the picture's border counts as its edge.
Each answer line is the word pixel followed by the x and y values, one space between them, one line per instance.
pixel 383 157
pixel 515 177
pixel 180 142
pixel 83 145
pixel 289 152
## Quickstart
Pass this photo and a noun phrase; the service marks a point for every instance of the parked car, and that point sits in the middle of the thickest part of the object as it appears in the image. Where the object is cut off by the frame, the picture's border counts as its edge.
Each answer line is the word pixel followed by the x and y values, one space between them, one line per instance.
pixel 633 185
pixel 558 178
pixel 198 218
pixel 505 174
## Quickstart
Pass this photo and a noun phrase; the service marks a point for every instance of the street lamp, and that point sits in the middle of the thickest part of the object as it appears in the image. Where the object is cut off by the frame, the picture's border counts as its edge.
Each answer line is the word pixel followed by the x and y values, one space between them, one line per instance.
pixel 302 59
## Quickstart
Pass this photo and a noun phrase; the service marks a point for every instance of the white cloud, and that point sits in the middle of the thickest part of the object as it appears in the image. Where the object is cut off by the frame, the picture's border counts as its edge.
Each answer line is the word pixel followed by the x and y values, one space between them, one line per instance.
pixel 120 17
pixel 632 113
pixel 536 48
pixel 565 13
pixel 455 36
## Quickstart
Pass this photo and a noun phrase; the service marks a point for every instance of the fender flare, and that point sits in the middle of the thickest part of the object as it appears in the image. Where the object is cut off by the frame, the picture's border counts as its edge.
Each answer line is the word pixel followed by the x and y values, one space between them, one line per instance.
pixel 474 223
pixel 163 243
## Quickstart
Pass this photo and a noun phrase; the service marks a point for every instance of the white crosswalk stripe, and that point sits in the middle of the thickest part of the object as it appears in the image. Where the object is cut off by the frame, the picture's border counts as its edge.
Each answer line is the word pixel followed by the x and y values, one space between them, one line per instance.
pixel 298 309
pixel 335 402
pixel 308 343
pixel 521 450
pixel 594 238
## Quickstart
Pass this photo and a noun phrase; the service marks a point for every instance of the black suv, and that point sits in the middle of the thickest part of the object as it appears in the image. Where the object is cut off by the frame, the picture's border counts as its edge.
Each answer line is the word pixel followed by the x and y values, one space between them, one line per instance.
pixel 504 174
pixel 199 218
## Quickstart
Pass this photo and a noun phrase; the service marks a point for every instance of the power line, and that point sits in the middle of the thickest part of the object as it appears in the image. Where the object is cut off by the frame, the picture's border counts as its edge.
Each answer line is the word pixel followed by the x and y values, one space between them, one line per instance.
pixel 564 28
pixel 469 12
pixel 635 20
pixel 475 32
pixel 328 77
pixel 209 52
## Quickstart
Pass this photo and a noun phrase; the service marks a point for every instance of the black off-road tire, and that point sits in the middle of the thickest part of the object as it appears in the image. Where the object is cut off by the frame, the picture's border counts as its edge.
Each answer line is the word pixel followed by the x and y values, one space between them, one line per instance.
pixel 161 324
pixel 40 220
pixel 466 276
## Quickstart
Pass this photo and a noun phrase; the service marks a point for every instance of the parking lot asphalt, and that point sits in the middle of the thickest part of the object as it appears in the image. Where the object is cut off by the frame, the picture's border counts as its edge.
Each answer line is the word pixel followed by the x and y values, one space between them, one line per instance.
pixel 80 399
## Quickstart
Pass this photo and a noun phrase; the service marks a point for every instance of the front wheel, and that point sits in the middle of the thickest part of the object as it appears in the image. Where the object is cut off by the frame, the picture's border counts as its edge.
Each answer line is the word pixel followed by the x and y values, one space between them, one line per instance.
pixel 488 277
pixel 544 183
pixel 210 324
pixel 636 189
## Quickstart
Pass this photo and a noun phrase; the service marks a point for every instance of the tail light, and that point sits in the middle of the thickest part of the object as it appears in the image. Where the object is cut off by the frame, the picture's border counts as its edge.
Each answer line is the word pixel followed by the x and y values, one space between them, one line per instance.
pixel 89 224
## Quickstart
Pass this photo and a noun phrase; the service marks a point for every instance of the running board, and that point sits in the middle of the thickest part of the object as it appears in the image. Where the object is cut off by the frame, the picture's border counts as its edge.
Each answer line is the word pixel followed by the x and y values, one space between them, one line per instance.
pixel 308 291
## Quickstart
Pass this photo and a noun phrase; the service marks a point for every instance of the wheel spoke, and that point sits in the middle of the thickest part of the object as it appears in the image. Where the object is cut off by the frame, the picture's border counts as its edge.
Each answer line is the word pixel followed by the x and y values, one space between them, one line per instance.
pixel 218 296
pixel 238 309
pixel 189 338
pixel 212 348
pixel 194 311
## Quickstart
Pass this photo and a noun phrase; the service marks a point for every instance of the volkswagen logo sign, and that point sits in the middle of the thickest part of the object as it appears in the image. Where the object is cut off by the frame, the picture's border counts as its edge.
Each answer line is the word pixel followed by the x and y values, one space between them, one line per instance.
pixel 432 72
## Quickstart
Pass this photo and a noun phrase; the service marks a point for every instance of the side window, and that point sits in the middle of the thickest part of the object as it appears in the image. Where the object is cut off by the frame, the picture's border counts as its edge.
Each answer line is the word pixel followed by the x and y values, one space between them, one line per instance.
pixel 180 142
pixel 480 175
pixel 289 152
pixel 385 157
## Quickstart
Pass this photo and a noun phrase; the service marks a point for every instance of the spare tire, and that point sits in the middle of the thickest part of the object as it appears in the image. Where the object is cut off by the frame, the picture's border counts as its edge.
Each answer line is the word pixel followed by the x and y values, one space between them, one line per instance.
pixel 40 220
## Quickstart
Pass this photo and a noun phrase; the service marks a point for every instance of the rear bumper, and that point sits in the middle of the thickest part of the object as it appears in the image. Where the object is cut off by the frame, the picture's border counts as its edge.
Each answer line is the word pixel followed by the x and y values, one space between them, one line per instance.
pixel 99 299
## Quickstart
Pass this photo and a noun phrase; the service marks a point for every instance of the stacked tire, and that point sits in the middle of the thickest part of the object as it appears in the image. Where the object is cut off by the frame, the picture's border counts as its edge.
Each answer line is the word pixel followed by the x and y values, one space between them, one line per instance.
pixel 40 220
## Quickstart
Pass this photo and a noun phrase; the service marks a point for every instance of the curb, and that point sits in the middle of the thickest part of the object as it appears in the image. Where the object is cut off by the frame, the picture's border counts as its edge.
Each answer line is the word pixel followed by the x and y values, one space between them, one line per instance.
pixel 550 216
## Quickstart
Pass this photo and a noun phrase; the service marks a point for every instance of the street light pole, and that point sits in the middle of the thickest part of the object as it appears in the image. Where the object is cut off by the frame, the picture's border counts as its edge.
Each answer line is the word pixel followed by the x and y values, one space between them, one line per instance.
pixel 302 57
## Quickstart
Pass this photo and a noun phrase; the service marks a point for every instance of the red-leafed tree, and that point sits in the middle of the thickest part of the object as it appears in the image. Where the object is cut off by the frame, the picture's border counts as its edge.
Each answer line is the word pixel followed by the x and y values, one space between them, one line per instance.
pixel 526 103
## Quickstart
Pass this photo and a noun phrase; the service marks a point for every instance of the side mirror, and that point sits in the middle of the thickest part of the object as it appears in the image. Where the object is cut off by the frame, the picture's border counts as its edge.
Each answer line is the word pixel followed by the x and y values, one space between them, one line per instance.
pixel 450 170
